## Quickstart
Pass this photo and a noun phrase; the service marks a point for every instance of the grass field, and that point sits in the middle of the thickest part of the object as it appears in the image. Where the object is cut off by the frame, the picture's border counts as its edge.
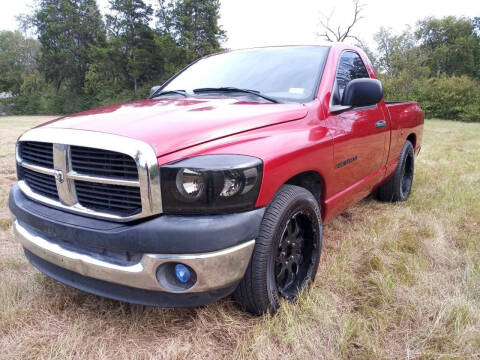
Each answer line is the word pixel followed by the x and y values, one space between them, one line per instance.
pixel 395 281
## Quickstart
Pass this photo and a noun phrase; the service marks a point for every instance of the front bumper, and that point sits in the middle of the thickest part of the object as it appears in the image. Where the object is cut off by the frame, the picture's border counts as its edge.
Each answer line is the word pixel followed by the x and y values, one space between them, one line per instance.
pixel 101 255
pixel 214 270
pixel 127 293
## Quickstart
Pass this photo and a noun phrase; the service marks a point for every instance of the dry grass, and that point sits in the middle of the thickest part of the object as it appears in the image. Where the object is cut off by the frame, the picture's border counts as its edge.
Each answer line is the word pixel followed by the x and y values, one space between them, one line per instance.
pixel 395 281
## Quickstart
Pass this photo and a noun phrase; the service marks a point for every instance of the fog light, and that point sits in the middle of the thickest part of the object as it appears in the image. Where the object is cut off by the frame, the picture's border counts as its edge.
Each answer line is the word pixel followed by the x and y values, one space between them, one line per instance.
pixel 176 277
pixel 182 273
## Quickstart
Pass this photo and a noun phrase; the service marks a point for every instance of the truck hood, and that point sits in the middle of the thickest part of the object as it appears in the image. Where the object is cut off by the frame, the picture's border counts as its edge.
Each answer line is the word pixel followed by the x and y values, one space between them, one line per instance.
pixel 169 125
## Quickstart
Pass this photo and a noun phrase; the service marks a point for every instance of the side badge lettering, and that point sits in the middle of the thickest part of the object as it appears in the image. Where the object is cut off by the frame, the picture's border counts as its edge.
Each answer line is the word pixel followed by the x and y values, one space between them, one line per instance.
pixel 346 162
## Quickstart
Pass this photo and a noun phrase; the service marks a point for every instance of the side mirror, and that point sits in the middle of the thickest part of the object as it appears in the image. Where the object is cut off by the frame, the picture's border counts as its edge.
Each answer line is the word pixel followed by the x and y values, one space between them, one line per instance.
pixel 153 90
pixel 362 92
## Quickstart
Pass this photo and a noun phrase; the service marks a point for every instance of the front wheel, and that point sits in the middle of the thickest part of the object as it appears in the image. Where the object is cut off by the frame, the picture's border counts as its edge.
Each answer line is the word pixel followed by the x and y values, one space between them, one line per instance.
pixel 286 254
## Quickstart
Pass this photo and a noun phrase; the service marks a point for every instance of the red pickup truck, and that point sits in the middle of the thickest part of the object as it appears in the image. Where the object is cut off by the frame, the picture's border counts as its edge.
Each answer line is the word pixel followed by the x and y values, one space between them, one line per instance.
pixel 217 184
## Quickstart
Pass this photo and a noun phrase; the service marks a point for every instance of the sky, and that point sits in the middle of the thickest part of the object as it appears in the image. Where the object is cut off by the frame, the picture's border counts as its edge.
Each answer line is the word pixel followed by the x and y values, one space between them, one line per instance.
pixel 251 23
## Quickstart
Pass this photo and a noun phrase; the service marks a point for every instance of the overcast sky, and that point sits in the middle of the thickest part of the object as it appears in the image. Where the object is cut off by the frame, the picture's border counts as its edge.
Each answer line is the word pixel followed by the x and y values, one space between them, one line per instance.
pixel 252 23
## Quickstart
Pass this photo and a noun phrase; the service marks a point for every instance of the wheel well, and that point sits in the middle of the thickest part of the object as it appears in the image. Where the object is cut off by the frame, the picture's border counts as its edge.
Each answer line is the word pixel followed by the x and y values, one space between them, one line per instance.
pixel 312 181
pixel 413 139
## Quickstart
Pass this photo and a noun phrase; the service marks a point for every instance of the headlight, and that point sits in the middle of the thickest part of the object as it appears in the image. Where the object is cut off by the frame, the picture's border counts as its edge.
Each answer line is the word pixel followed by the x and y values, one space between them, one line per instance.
pixel 190 184
pixel 211 184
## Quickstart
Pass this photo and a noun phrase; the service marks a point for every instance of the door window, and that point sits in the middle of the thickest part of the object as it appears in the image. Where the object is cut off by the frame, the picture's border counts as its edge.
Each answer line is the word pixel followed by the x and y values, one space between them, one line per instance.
pixel 350 67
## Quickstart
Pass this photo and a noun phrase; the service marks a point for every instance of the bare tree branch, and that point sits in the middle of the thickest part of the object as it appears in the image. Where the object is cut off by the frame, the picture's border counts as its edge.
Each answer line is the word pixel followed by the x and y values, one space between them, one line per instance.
pixel 329 34
pixel 340 35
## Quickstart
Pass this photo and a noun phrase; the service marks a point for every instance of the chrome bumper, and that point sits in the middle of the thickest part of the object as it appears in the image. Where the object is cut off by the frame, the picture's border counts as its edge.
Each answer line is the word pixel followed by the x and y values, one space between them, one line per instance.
pixel 214 270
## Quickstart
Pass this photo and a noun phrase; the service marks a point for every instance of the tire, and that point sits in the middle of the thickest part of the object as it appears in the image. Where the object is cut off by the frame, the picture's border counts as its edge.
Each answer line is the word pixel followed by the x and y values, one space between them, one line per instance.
pixel 289 245
pixel 399 186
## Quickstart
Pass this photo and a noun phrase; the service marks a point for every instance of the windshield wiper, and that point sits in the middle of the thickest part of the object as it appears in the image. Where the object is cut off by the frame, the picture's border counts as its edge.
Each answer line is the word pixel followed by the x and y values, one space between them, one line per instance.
pixel 234 89
pixel 169 92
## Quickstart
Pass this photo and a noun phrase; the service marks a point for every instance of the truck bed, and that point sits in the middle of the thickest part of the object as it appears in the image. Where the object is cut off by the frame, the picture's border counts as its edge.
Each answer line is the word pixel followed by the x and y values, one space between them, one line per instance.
pixel 405 117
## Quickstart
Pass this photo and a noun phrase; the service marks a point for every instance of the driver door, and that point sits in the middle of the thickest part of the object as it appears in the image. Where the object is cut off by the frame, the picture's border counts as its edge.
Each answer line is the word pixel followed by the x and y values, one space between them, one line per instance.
pixel 359 135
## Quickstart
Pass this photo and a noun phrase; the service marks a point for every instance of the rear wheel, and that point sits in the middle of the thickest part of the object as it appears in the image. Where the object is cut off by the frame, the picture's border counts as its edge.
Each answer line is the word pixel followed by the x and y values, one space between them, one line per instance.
pixel 286 254
pixel 399 186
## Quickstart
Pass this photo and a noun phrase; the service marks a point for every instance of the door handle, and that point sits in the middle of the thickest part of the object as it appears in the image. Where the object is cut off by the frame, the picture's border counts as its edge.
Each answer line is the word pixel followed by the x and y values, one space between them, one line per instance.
pixel 380 124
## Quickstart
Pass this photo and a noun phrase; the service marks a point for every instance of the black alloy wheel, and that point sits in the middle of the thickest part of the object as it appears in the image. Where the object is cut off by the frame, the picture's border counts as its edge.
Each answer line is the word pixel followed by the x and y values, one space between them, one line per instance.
pixel 399 186
pixel 407 175
pixel 286 254
pixel 297 243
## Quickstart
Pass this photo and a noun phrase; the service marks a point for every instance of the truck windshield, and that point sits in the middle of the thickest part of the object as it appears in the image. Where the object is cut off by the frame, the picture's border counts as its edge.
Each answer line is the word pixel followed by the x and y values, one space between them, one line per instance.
pixel 281 73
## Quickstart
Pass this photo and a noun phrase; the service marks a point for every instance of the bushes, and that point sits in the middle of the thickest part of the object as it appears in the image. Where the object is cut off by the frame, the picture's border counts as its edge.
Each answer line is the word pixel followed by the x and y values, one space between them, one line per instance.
pixel 49 101
pixel 45 102
pixel 454 98
pixel 437 64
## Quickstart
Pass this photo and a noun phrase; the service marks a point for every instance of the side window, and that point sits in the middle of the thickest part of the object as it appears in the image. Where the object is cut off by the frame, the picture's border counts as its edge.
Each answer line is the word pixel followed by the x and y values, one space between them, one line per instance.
pixel 350 67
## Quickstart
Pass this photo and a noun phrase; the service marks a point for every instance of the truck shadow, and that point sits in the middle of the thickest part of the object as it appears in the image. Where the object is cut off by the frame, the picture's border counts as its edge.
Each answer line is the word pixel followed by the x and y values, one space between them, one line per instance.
pixel 71 302
pixel 60 315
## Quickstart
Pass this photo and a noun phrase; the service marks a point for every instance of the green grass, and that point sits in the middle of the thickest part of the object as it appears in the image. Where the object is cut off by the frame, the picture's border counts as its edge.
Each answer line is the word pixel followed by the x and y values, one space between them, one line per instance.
pixel 395 281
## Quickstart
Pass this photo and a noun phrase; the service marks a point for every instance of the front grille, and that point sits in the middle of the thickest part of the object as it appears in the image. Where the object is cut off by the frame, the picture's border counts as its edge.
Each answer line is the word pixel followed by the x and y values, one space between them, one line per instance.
pixel 37 153
pixel 117 199
pixel 40 183
pixel 97 184
pixel 100 162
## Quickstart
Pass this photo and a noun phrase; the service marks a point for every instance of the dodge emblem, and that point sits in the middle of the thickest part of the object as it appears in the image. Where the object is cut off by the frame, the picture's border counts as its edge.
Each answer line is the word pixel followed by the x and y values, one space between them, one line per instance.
pixel 58 175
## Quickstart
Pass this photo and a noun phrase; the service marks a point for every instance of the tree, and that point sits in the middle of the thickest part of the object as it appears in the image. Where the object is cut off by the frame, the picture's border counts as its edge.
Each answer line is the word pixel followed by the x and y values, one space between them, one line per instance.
pixel 66 29
pixel 452 45
pixel 399 53
pixel 340 34
pixel 164 16
pixel 400 63
pixel 132 39
pixel 18 59
pixel 476 25
pixel 193 24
